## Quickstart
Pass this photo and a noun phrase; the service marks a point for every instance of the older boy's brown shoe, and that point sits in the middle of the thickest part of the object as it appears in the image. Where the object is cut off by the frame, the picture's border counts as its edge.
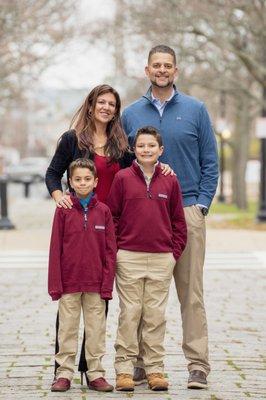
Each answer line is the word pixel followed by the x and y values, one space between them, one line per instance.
pixel 60 385
pixel 124 383
pixel 157 381
pixel 197 380
pixel 139 376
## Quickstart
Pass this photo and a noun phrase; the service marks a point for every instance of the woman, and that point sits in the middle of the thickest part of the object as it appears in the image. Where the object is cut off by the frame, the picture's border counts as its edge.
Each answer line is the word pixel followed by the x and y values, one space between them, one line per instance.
pixel 95 133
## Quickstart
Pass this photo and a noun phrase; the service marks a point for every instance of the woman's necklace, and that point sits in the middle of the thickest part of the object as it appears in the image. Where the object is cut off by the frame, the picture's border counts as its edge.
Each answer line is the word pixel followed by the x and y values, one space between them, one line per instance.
pixel 99 143
pixel 98 147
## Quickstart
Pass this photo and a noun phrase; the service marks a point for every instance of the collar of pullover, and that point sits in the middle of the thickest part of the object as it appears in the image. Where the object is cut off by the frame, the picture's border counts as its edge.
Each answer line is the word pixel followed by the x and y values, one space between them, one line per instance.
pixel 77 204
pixel 138 170
pixel 174 98
pixel 147 178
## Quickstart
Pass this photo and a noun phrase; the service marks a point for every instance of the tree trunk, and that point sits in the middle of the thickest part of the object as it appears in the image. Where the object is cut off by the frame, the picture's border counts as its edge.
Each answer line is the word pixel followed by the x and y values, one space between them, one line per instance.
pixel 240 150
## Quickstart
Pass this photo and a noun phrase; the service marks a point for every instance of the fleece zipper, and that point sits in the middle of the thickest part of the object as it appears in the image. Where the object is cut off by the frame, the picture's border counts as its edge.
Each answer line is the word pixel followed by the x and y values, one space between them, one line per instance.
pixel 85 215
pixel 148 185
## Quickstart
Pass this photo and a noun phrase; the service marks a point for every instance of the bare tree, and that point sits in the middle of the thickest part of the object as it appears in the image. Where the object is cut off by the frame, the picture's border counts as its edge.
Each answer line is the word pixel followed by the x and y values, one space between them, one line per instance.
pixel 31 34
pixel 220 46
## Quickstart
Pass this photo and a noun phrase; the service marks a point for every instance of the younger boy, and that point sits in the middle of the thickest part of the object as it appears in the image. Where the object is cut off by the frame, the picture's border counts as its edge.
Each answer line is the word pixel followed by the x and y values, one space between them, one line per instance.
pixel 151 235
pixel 81 274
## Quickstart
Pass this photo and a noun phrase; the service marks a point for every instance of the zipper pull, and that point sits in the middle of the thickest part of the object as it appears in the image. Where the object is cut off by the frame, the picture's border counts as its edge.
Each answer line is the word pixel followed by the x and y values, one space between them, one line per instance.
pixel 148 193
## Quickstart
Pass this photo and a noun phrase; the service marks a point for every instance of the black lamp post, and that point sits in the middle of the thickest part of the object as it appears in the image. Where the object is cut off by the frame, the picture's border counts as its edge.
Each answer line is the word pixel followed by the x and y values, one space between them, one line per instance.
pixel 5 222
pixel 261 216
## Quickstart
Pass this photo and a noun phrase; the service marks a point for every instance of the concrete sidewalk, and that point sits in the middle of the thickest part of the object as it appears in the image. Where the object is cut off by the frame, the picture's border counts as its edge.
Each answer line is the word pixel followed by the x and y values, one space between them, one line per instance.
pixel 235 301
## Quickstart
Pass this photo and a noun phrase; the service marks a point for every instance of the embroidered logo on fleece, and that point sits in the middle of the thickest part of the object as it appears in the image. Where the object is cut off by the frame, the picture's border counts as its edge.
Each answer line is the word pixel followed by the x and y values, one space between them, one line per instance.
pixel 163 196
pixel 99 227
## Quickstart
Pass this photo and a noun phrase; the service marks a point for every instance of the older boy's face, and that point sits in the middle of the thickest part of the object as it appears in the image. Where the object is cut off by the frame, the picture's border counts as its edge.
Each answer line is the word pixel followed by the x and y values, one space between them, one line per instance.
pixel 147 149
pixel 83 182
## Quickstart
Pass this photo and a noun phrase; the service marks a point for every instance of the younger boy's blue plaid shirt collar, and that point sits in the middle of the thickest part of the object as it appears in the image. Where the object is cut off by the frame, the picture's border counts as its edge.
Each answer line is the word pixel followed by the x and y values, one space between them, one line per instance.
pixel 85 202
pixel 161 105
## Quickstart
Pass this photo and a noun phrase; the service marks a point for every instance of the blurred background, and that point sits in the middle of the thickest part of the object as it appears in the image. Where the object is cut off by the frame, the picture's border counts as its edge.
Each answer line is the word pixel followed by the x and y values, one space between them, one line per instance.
pixel 54 51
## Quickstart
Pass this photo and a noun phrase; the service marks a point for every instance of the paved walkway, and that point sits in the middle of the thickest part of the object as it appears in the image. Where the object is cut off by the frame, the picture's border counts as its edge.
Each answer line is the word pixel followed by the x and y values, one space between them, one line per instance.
pixel 235 301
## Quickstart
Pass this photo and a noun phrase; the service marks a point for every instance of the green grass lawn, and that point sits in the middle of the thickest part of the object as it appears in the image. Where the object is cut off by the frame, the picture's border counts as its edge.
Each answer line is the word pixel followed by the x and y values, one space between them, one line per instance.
pixel 223 215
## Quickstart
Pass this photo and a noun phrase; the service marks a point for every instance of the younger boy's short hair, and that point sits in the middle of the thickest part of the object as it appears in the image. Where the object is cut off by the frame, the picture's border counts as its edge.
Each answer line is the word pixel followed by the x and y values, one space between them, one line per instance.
pixel 82 163
pixel 149 130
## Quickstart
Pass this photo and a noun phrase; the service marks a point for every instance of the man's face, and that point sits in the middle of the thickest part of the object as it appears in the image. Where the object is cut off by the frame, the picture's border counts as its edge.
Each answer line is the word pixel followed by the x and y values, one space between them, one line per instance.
pixel 161 70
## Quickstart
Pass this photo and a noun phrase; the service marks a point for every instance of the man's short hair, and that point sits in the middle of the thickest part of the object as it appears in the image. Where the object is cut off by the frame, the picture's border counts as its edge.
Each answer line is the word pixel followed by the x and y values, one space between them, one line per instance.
pixel 161 48
pixel 82 163
pixel 149 130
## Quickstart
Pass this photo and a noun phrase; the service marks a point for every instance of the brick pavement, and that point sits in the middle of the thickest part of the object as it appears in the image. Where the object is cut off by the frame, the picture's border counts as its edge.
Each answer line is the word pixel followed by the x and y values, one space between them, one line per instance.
pixel 236 328
pixel 235 299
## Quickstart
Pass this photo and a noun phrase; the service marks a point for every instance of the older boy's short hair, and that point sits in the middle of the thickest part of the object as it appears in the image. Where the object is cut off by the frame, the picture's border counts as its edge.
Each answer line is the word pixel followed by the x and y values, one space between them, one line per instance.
pixel 82 163
pixel 149 130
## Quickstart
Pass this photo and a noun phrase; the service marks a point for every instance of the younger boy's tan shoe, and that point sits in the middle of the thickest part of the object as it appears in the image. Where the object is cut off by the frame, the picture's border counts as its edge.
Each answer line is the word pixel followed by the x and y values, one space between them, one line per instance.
pixel 157 381
pixel 124 383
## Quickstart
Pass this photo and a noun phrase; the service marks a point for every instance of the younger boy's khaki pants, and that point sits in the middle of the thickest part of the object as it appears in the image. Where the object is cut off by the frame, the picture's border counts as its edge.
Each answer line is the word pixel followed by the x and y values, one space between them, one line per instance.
pixel 142 282
pixel 95 326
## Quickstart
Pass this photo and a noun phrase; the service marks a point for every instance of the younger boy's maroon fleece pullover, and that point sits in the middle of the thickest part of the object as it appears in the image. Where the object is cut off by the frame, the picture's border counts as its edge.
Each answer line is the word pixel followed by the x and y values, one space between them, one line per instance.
pixel 82 250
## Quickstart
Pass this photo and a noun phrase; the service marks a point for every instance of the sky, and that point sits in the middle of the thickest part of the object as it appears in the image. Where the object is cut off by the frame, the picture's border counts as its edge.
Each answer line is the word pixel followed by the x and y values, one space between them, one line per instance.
pixel 81 65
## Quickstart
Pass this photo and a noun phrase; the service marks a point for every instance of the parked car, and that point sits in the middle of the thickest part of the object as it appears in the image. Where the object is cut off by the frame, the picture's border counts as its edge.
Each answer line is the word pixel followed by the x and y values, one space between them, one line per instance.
pixel 30 168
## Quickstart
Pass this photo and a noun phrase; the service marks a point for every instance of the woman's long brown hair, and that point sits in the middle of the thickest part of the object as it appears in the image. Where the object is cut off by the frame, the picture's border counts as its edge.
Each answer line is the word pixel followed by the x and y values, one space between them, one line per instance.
pixel 84 125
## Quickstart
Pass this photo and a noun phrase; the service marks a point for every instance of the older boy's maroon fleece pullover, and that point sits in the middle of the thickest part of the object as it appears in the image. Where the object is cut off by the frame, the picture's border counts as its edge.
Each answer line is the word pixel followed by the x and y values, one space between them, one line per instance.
pixel 148 218
pixel 82 250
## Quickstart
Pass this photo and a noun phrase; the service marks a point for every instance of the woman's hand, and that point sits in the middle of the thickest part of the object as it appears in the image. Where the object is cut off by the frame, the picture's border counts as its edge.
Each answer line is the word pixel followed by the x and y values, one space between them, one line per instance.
pixel 62 199
pixel 166 170
pixel 65 202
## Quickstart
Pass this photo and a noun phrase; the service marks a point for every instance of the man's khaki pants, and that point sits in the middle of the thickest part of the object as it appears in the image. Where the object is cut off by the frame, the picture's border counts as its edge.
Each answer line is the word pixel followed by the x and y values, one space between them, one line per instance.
pixel 95 326
pixel 188 275
pixel 142 282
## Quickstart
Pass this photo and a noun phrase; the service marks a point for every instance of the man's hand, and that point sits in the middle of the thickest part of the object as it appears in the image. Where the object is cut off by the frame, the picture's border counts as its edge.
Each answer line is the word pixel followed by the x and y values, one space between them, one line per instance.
pixel 166 170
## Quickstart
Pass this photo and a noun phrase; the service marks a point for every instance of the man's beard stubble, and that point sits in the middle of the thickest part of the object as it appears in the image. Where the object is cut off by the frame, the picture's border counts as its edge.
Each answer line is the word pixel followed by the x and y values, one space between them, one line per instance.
pixel 167 85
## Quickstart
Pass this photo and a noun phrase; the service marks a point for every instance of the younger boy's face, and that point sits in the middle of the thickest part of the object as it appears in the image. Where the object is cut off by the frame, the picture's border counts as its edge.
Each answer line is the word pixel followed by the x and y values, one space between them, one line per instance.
pixel 147 150
pixel 83 182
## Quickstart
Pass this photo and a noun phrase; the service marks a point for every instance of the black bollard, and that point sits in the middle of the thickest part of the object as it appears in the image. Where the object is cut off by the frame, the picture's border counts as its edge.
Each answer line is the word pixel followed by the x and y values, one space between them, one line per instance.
pixel 27 188
pixel 5 222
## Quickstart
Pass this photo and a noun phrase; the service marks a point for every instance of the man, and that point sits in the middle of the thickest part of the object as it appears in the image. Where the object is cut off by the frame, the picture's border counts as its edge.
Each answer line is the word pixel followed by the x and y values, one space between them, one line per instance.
pixel 190 149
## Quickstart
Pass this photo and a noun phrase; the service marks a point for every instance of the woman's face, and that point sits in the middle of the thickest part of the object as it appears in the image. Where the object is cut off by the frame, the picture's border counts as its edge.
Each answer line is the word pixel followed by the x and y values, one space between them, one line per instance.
pixel 105 108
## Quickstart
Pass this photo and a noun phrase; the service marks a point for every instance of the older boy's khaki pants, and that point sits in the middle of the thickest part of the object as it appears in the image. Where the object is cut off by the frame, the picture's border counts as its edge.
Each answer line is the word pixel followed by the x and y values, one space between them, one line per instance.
pixel 95 325
pixel 188 275
pixel 142 282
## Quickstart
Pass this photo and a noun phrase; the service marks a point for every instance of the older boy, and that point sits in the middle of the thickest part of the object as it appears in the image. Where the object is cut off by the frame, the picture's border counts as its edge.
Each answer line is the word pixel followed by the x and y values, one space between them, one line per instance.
pixel 151 235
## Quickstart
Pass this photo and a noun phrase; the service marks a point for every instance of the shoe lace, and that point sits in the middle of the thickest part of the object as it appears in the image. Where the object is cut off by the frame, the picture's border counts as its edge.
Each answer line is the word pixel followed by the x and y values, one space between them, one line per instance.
pixel 156 375
pixel 125 376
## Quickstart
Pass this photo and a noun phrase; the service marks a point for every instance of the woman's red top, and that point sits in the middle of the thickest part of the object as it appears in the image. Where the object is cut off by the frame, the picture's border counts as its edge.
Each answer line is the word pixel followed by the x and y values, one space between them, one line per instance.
pixel 106 173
